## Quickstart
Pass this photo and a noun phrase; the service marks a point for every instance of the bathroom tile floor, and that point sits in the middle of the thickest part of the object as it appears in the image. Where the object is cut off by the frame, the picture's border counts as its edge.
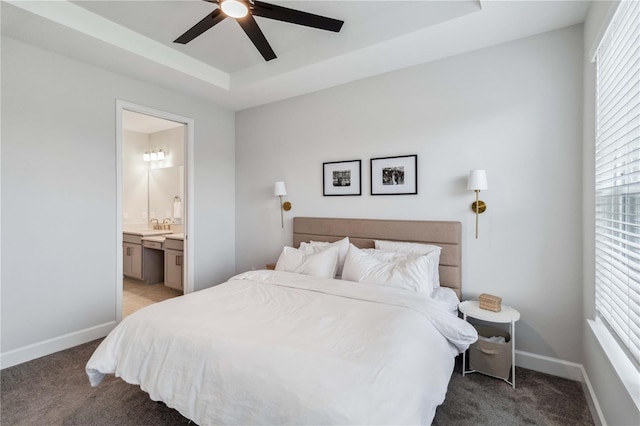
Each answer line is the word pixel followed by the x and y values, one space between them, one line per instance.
pixel 136 295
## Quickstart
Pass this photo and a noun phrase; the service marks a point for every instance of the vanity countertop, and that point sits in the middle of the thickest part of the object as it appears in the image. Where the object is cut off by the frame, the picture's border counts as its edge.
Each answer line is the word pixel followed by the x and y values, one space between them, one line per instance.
pixel 176 236
pixel 148 232
pixel 156 238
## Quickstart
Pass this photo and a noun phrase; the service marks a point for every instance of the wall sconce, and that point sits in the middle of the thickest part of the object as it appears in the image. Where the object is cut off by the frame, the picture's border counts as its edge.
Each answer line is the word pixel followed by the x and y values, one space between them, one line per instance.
pixel 146 156
pixel 154 156
pixel 280 190
pixel 477 182
pixel 161 154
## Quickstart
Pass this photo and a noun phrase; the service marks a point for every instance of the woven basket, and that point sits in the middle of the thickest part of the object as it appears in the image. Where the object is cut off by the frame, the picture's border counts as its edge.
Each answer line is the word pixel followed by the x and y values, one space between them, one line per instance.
pixel 490 302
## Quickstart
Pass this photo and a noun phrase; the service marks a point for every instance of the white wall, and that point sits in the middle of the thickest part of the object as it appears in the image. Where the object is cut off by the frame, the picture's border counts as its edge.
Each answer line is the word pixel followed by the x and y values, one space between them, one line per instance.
pixel 59 158
pixel 514 110
pixel 615 403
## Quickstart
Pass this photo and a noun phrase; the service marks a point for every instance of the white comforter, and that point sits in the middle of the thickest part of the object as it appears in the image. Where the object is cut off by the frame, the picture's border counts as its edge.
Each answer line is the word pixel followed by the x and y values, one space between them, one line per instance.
pixel 272 347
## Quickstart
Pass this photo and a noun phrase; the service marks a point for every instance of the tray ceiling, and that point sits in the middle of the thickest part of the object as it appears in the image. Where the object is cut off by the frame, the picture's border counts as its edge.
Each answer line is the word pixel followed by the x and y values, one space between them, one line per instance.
pixel 135 38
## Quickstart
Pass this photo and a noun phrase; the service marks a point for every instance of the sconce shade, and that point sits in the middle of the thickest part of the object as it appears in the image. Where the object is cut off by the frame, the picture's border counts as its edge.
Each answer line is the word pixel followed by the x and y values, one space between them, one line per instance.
pixel 161 155
pixel 279 189
pixel 154 156
pixel 477 180
pixel 146 157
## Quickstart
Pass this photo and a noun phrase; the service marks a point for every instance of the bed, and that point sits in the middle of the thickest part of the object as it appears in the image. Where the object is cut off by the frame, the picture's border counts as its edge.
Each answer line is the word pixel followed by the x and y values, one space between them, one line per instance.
pixel 284 347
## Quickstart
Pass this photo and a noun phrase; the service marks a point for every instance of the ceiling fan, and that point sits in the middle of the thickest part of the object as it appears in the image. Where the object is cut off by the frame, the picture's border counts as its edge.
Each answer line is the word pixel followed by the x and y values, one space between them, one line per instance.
pixel 243 12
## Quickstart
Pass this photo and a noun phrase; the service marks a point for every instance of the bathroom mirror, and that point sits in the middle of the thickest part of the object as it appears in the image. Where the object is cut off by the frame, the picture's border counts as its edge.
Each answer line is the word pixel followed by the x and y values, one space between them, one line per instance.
pixel 165 184
pixel 150 184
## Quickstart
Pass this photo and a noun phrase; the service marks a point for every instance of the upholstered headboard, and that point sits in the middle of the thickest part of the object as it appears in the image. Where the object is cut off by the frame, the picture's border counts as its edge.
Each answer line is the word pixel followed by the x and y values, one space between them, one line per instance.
pixel 362 232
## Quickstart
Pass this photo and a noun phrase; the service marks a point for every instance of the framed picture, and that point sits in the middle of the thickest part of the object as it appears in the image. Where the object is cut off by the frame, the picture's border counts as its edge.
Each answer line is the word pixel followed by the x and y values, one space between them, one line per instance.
pixel 342 178
pixel 394 175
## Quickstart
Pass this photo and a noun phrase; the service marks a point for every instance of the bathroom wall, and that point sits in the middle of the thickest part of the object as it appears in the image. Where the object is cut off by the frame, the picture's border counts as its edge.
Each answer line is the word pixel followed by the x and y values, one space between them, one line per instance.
pixel 135 178
pixel 172 142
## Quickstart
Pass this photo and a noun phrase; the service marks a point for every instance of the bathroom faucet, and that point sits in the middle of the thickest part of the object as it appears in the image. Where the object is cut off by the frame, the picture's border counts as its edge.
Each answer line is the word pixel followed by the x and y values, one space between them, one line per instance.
pixel 156 225
pixel 166 223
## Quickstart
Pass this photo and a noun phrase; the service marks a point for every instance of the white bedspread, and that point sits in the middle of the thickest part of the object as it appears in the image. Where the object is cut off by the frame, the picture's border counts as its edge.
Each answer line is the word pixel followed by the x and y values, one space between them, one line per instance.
pixel 271 347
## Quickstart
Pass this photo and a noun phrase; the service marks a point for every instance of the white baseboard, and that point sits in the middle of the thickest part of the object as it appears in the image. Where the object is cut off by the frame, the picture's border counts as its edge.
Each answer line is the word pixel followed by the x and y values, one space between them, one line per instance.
pixel 546 364
pixel 47 347
pixel 594 406
pixel 565 369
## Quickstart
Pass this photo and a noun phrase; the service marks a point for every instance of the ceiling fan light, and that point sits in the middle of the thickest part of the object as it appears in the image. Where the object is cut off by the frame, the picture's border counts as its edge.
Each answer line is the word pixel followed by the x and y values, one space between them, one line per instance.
pixel 234 8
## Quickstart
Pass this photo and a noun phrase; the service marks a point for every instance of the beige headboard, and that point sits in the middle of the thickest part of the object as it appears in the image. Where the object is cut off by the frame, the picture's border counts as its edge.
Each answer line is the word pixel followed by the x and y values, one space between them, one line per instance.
pixel 362 232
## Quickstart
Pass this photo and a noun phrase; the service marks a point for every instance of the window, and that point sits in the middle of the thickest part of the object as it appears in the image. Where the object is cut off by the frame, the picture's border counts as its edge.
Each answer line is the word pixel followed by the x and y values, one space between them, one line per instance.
pixel 618 177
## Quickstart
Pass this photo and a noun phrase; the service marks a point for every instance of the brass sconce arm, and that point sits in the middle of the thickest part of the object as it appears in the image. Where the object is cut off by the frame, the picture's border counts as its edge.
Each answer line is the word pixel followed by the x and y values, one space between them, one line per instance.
pixel 478 207
pixel 477 181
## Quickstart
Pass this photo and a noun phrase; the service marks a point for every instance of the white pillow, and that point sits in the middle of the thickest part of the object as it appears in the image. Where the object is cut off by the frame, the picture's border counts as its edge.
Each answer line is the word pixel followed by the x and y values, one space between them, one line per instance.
pixel 316 246
pixel 322 264
pixel 433 252
pixel 433 258
pixel 404 247
pixel 397 270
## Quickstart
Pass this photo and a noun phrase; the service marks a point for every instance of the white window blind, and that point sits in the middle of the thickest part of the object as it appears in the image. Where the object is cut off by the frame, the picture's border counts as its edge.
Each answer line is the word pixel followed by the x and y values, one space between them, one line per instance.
pixel 618 177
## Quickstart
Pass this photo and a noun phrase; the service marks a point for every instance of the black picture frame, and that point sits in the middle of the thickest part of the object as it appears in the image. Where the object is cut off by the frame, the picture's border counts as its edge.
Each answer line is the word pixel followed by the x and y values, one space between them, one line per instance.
pixel 342 178
pixel 394 175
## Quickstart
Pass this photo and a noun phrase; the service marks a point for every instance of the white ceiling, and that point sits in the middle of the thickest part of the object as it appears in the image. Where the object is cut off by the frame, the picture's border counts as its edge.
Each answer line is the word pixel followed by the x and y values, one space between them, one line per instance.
pixel 135 38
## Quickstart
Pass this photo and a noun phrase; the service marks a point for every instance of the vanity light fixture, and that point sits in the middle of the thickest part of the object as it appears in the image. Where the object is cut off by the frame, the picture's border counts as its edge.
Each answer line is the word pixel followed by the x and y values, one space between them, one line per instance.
pixel 477 182
pixel 280 190
pixel 154 156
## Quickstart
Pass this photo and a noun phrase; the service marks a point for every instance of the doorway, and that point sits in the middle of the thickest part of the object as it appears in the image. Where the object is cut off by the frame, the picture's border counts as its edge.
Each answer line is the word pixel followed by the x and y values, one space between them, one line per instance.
pixel 154 197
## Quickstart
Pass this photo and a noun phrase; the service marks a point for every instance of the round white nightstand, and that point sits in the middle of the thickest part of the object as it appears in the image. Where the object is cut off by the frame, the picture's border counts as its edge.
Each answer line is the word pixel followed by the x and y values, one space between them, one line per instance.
pixel 508 315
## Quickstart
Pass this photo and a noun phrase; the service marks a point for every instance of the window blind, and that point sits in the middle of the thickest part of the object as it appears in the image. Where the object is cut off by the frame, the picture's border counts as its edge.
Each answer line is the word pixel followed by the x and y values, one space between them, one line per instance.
pixel 618 177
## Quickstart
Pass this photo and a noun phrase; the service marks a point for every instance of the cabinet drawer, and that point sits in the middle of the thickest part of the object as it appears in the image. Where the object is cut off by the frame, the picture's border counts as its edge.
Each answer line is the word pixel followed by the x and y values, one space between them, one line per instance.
pixel 130 238
pixel 172 244
pixel 152 244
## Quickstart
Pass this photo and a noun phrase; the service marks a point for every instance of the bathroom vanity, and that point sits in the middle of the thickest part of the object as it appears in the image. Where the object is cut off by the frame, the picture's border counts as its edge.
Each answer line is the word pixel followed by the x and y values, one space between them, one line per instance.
pixel 143 255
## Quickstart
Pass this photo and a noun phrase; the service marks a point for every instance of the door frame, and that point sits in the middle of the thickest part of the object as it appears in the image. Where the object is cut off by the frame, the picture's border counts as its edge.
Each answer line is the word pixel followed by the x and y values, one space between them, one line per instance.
pixel 187 204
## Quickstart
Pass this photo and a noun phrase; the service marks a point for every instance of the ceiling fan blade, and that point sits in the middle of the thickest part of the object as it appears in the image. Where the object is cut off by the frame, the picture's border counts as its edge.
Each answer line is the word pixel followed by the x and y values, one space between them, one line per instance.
pixel 209 21
pixel 250 26
pixel 268 10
